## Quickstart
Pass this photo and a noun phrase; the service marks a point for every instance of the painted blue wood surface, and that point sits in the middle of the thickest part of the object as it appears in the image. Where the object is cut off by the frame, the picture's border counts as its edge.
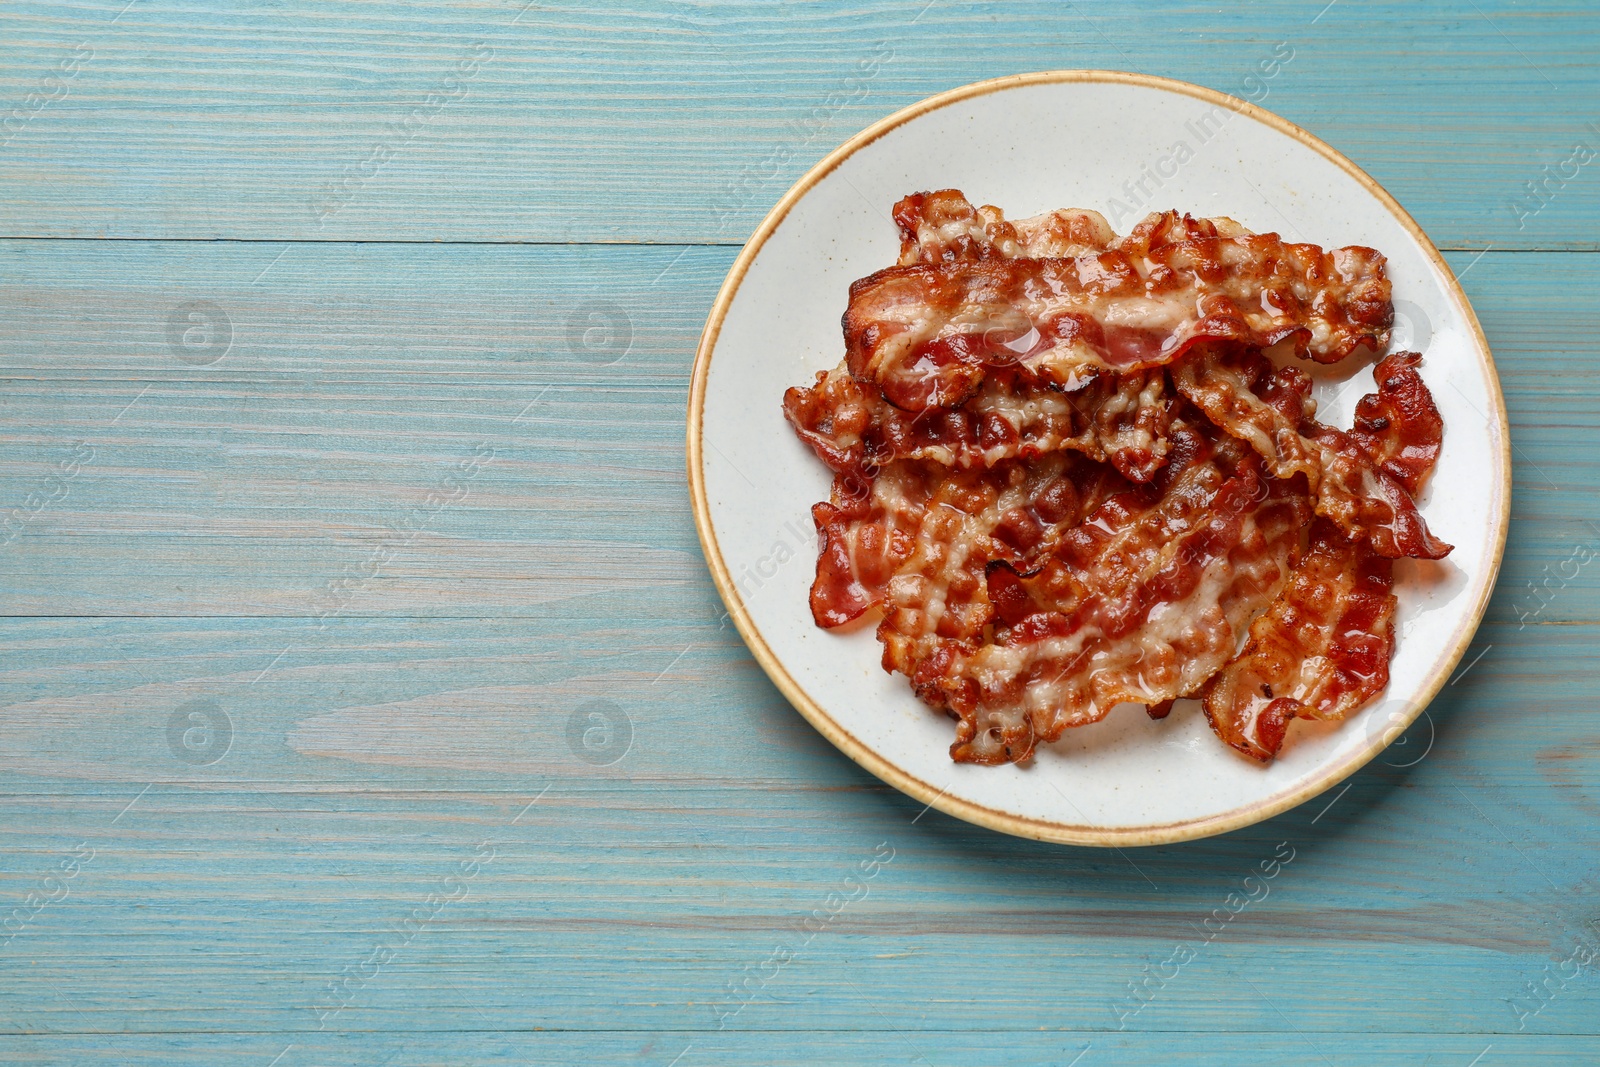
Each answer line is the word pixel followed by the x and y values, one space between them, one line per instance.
pixel 265 801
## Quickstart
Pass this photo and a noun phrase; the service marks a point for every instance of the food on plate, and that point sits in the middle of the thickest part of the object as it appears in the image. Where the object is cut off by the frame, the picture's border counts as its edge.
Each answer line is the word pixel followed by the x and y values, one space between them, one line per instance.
pixel 1074 470
pixel 925 332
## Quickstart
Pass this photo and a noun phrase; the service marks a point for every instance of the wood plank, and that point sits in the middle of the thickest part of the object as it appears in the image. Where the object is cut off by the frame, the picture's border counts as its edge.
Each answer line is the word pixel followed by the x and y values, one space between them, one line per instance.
pixel 279 467
pixel 630 913
pixel 682 121
pixel 361 377
pixel 228 894
pixel 798 1047
pixel 487 704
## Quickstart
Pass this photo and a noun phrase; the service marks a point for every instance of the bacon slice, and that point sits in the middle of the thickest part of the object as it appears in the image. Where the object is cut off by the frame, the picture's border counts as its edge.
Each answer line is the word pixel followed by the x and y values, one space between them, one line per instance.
pixel 1015 514
pixel 835 416
pixel 1320 652
pixel 926 333
pixel 862 540
pixel 944 227
pixel 1142 602
pixel 1349 474
pixel 1121 419
pixel 1399 426
pixel 914 515
pixel 1366 501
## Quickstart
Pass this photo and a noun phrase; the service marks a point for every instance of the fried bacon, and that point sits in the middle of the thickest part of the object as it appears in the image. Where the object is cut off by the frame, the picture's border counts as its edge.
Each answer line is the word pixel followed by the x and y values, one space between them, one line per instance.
pixel 944 227
pixel 1142 602
pixel 1398 426
pixel 1122 419
pixel 927 332
pixel 835 417
pixel 1069 477
pixel 1320 652
pixel 1348 473
pixel 950 524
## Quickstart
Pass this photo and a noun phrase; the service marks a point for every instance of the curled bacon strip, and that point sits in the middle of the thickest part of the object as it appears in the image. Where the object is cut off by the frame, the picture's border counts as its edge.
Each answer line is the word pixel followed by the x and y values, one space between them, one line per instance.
pixel 835 417
pixel 862 542
pixel 1141 602
pixel 944 227
pixel 927 333
pixel 1399 426
pixel 1320 652
pixel 1123 419
pixel 1349 474
pixel 917 517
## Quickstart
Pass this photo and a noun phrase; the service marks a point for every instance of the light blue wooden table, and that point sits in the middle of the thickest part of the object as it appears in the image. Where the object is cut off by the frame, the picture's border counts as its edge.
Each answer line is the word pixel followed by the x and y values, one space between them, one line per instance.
pixel 345 351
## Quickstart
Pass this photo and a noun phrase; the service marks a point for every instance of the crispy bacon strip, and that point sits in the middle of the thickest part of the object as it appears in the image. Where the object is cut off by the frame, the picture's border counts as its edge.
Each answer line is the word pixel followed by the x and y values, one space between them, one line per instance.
pixel 1399 426
pixel 1121 419
pixel 1320 652
pixel 835 416
pixel 927 333
pixel 940 591
pixel 1142 602
pixel 863 538
pixel 1366 501
pixel 944 227
pixel 1348 473
pixel 915 514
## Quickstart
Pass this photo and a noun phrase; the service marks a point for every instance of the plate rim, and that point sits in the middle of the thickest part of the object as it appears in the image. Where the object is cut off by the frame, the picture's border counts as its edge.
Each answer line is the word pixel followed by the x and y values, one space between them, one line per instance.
pixel 896 776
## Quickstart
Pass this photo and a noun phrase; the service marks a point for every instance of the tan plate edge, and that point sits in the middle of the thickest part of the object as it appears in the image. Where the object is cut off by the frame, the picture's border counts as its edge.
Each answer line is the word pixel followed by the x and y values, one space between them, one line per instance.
pixel 846 742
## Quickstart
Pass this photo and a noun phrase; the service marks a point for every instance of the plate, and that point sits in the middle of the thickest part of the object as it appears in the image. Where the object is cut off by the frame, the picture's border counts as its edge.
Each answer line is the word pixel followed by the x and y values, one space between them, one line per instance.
pixel 1124 144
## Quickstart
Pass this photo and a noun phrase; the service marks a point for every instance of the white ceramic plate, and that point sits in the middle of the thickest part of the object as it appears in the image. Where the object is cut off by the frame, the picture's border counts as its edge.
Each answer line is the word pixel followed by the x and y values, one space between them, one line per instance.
pixel 1031 143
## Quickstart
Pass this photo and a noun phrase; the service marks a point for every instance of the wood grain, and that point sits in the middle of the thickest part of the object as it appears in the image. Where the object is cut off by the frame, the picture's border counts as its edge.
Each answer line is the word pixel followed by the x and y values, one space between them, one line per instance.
pixel 360 377
pixel 326 532
pixel 798 1047
pixel 680 120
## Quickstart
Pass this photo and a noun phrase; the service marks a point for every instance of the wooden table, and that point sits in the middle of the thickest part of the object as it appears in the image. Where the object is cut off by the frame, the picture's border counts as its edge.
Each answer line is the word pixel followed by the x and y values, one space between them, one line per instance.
pixel 365 695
